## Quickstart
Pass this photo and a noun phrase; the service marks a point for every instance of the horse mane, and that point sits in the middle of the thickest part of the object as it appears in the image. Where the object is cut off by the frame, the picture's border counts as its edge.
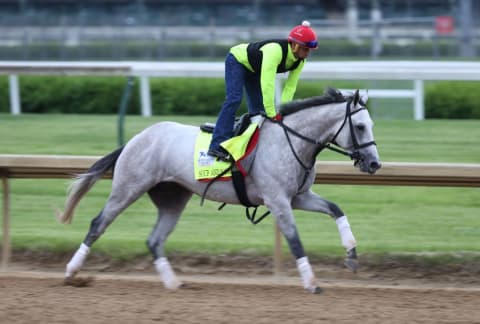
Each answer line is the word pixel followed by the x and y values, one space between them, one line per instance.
pixel 331 95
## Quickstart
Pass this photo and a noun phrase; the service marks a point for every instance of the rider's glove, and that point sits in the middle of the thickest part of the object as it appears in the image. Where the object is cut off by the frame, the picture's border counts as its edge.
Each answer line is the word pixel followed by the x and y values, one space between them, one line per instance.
pixel 277 117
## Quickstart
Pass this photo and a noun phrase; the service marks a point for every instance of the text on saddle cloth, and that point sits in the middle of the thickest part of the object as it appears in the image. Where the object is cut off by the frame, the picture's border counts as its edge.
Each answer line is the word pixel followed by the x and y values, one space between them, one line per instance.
pixel 207 167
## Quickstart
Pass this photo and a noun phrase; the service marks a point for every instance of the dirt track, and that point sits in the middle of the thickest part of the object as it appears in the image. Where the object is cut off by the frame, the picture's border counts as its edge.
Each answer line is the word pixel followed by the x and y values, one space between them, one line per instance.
pixel 125 297
pixel 44 299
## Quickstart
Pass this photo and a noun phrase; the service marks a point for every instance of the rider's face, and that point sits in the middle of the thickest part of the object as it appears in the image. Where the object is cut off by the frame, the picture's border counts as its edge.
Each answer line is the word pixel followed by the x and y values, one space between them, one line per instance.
pixel 300 52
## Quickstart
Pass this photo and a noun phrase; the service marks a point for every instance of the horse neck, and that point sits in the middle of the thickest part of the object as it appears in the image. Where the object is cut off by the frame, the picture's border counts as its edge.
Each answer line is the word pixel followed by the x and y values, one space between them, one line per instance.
pixel 318 123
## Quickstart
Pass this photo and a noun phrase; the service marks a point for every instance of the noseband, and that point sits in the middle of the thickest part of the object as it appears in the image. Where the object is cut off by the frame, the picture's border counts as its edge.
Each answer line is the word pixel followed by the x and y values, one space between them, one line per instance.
pixel 354 155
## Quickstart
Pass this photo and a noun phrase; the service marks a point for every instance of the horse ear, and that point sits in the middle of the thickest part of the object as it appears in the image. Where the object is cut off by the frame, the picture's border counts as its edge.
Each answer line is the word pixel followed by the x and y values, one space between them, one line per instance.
pixel 356 97
pixel 364 98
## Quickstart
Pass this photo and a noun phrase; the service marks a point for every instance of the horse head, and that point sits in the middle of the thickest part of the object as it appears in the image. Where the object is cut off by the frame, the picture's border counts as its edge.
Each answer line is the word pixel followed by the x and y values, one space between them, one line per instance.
pixel 335 119
pixel 355 134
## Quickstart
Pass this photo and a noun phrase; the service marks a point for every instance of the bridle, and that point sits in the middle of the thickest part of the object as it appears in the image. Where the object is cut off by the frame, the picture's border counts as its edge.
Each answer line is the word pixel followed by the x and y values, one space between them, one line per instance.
pixel 331 145
pixel 355 154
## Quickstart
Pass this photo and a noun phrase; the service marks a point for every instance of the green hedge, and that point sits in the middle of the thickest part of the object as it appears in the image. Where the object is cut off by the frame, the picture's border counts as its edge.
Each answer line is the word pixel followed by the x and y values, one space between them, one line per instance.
pixel 4 95
pixel 72 94
pixel 459 100
pixel 198 96
pixel 195 96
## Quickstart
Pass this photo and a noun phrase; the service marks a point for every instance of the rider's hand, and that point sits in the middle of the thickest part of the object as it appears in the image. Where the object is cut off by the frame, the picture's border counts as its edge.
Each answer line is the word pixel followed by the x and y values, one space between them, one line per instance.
pixel 276 117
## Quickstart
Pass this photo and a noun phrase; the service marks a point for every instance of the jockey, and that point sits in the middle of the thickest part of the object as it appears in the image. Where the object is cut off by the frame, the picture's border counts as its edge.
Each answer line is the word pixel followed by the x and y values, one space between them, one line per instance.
pixel 254 66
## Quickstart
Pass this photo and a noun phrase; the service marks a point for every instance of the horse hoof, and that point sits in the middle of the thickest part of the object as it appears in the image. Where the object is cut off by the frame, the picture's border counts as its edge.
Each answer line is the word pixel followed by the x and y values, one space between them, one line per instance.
pixel 315 290
pixel 175 285
pixel 78 282
pixel 351 264
pixel 183 286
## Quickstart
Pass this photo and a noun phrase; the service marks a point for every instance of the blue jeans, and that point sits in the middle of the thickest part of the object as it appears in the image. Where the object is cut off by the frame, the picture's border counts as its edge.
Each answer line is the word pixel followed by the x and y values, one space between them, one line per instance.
pixel 237 77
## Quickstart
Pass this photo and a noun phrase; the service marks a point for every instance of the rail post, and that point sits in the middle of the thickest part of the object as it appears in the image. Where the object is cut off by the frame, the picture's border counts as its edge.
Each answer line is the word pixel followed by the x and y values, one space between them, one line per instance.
pixel 122 110
pixel 418 105
pixel 146 101
pixel 6 223
pixel 14 94
pixel 277 253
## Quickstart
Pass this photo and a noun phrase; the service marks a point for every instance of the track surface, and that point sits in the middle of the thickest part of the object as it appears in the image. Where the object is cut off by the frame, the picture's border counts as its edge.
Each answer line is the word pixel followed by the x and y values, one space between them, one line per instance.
pixel 41 297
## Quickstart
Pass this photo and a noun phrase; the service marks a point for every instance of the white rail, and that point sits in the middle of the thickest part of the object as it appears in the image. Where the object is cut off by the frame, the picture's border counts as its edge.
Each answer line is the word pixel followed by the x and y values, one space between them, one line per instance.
pixel 416 71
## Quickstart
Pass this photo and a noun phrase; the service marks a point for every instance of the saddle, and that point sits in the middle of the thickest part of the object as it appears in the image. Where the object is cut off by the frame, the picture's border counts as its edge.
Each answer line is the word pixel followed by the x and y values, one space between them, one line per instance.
pixel 240 125
pixel 238 173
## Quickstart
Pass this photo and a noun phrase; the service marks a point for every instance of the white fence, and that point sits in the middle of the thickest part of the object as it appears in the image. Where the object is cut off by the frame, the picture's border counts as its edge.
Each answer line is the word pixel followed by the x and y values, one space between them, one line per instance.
pixel 416 71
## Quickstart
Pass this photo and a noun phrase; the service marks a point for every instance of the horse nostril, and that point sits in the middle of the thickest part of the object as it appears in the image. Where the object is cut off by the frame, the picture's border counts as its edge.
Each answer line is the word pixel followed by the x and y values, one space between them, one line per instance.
pixel 375 165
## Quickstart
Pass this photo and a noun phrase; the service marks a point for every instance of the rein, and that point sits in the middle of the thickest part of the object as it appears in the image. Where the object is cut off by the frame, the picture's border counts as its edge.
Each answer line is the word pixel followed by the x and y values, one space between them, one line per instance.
pixel 354 155
pixel 287 130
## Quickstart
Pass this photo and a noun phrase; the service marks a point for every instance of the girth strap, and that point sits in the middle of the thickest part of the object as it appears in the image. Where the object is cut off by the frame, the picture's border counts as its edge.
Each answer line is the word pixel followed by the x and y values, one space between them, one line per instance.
pixel 241 190
pixel 238 181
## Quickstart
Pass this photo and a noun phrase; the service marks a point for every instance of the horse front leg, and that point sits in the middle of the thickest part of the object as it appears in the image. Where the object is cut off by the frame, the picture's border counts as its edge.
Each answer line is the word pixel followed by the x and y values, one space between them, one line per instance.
pixel 284 217
pixel 310 201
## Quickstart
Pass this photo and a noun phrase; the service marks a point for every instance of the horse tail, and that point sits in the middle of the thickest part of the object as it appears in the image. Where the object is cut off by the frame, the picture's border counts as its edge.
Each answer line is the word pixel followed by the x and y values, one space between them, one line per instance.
pixel 84 182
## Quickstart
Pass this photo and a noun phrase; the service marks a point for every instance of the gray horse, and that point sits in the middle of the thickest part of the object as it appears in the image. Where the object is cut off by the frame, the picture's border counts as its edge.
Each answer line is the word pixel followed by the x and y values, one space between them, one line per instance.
pixel 159 160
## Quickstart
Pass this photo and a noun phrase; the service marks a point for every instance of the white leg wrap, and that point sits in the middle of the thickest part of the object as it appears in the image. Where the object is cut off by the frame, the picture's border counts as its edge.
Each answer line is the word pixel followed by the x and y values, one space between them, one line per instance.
pixel 77 261
pixel 166 273
pixel 306 273
pixel 346 235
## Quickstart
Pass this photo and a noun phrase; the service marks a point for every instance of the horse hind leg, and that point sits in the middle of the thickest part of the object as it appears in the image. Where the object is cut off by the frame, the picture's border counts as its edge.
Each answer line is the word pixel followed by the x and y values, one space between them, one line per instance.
pixel 119 199
pixel 170 200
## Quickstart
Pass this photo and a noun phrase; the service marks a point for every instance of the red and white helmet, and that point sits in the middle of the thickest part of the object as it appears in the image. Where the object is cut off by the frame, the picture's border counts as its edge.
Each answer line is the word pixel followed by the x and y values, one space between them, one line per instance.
pixel 303 35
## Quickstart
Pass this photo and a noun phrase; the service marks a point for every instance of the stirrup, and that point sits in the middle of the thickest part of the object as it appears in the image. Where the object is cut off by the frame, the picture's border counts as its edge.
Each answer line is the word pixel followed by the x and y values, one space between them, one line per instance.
pixel 220 154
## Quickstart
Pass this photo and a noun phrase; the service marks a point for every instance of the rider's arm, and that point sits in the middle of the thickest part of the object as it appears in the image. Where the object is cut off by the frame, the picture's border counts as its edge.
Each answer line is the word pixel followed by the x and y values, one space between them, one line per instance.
pixel 272 56
pixel 291 83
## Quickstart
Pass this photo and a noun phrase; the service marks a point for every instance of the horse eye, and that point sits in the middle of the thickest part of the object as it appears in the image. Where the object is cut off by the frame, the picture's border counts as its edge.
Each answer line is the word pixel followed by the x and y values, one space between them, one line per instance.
pixel 360 127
